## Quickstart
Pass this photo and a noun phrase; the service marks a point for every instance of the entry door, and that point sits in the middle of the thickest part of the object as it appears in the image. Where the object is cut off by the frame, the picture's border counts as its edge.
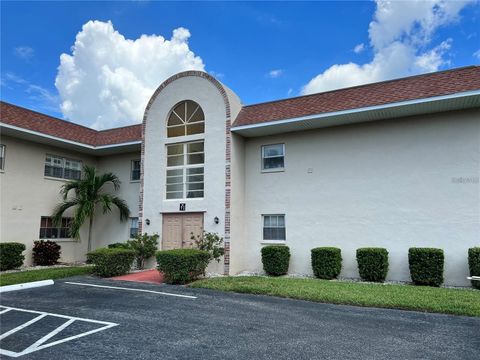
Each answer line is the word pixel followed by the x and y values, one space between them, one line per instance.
pixel 178 228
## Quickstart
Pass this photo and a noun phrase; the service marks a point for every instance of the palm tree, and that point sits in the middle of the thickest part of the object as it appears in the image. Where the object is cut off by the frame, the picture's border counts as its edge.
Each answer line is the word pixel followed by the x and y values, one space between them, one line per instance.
pixel 88 194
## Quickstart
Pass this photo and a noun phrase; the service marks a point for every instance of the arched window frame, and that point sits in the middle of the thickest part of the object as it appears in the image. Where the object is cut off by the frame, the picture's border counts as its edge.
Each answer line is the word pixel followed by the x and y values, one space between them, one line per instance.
pixel 184 119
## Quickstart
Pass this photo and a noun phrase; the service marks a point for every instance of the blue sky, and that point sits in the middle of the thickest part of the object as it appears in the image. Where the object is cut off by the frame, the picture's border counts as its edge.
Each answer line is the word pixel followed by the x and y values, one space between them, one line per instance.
pixel 263 51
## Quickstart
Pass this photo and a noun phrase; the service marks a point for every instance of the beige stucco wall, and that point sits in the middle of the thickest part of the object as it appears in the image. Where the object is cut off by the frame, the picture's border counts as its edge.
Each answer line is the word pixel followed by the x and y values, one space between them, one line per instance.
pixel 208 96
pixel 27 195
pixel 108 228
pixel 392 184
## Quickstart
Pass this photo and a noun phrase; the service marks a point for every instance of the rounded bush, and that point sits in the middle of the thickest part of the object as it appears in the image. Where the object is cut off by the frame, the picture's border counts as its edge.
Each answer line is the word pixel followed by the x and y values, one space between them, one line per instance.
pixel 111 262
pixel 474 265
pixel 45 252
pixel 426 266
pixel 275 259
pixel 180 266
pixel 326 262
pixel 372 264
pixel 11 255
pixel 118 245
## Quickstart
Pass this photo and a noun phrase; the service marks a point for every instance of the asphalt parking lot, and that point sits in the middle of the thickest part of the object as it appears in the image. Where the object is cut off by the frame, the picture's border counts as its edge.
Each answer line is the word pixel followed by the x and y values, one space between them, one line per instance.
pixel 72 321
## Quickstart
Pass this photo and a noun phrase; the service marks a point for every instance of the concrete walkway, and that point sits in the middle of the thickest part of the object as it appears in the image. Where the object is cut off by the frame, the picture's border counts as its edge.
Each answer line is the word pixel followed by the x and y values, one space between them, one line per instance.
pixel 149 276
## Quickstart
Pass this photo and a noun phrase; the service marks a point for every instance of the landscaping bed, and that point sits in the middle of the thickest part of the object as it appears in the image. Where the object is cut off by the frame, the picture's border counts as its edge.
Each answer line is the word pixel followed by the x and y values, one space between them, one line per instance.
pixel 56 272
pixel 405 297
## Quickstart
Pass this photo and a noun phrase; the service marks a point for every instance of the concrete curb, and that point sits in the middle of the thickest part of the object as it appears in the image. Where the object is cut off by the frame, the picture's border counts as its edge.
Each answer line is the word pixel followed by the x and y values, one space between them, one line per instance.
pixel 29 285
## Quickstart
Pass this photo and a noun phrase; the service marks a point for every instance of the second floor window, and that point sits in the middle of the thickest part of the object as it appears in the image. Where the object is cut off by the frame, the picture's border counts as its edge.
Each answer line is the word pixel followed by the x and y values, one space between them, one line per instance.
pixel 133 227
pixel 185 170
pixel 60 167
pixel 186 118
pixel 273 157
pixel 2 157
pixel 135 175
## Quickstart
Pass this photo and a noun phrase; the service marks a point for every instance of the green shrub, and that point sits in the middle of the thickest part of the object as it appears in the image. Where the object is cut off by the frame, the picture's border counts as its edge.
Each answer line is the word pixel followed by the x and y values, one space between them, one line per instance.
pixel 275 259
pixel 474 265
pixel 144 246
pixel 118 245
pixel 211 242
pixel 111 262
pixel 45 252
pixel 11 255
pixel 181 266
pixel 326 262
pixel 426 266
pixel 372 264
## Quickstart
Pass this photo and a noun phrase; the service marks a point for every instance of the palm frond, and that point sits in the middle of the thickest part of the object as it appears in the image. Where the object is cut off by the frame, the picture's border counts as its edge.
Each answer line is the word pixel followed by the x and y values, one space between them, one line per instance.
pixel 106 202
pixel 60 209
pixel 122 207
pixel 108 178
pixel 71 185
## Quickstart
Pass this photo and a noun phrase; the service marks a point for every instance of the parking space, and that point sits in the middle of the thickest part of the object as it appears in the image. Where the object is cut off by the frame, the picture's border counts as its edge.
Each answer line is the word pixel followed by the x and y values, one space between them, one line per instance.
pixel 89 318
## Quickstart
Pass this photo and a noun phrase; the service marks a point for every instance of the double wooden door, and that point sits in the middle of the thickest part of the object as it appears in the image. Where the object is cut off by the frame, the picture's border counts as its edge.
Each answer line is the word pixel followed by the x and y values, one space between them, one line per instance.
pixel 177 230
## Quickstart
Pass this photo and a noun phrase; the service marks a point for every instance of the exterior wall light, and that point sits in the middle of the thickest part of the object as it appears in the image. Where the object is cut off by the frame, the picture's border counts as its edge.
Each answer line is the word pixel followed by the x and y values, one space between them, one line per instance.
pixel 147 221
pixel 216 220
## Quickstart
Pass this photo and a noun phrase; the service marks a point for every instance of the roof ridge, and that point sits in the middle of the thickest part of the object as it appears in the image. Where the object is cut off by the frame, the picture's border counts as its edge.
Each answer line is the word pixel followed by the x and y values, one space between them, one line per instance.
pixel 363 85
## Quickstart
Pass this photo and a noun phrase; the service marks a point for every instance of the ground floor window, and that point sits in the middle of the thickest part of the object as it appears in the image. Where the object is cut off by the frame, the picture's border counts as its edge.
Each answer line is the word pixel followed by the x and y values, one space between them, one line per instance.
pixel 133 227
pixel 274 227
pixel 49 231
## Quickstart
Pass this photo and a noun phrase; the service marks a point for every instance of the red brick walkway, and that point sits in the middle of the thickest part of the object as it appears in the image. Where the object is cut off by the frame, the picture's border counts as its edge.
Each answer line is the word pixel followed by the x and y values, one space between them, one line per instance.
pixel 148 276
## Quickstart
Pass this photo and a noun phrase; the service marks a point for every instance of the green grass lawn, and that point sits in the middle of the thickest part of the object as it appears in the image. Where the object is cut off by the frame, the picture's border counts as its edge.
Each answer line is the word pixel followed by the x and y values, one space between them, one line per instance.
pixel 406 297
pixel 43 274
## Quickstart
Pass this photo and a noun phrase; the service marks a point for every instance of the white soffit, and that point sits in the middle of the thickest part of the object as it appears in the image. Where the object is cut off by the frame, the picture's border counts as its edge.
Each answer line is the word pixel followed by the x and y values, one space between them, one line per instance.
pixel 459 101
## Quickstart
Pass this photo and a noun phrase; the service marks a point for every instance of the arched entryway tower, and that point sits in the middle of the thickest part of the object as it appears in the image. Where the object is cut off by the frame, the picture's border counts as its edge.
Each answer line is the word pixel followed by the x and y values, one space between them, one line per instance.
pixel 186 161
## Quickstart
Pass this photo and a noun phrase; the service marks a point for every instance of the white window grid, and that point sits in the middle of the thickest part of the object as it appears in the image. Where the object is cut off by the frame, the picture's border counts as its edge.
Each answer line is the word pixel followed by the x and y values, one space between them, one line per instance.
pixel 62 167
pixel 184 174
pixel 274 222
pixel 185 120
pixel 264 156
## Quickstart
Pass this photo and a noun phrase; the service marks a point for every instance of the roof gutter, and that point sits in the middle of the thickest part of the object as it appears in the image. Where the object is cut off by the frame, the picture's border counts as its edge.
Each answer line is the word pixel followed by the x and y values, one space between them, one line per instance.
pixel 70 142
pixel 357 110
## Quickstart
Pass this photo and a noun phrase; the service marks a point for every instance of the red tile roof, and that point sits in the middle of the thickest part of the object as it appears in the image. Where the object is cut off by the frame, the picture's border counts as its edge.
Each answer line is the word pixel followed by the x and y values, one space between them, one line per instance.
pixel 34 121
pixel 410 88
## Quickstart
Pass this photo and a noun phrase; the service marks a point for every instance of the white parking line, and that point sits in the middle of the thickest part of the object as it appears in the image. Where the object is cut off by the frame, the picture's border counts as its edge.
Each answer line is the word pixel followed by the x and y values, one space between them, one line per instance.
pixel 40 344
pixel 130 289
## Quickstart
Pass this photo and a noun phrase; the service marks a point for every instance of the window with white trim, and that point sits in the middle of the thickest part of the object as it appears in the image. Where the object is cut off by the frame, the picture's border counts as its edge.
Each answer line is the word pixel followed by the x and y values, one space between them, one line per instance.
pixel 49 231
pixel 274 227
pixel 273 157
pixel 186 118
pixel 60 167
pixel 133 227
pixel 185 170
pixel 135 172
pixel 2 157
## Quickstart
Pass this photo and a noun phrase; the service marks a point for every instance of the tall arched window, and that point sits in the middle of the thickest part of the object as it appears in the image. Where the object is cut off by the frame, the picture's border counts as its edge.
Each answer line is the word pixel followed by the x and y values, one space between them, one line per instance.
pixel 186 118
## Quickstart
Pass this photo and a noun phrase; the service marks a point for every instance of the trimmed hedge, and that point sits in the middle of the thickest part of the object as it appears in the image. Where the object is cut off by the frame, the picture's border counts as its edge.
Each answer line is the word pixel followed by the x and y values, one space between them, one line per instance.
pixel 45 252
pixel 275 259
pixel 372 264
pixel 426 266
pixel 111 262
pixel 181 266
pixel 11 255
pixel 118 245
pixel 474 265
pixel 326 262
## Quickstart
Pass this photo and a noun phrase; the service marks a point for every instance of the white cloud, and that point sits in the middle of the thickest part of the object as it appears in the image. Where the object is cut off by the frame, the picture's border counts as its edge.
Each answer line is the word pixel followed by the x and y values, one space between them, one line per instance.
pixel 477 54
pixel 24 52
pixel 108 79
pixel 359 48
pixel 275 73
pixel 400 34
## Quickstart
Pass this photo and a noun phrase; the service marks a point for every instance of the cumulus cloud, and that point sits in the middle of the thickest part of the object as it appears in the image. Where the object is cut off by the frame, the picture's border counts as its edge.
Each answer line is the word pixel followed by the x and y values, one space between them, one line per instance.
pixel 24 52
pixel 273 74
pixel 107 80
pixel 359 48
pixel 400 35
